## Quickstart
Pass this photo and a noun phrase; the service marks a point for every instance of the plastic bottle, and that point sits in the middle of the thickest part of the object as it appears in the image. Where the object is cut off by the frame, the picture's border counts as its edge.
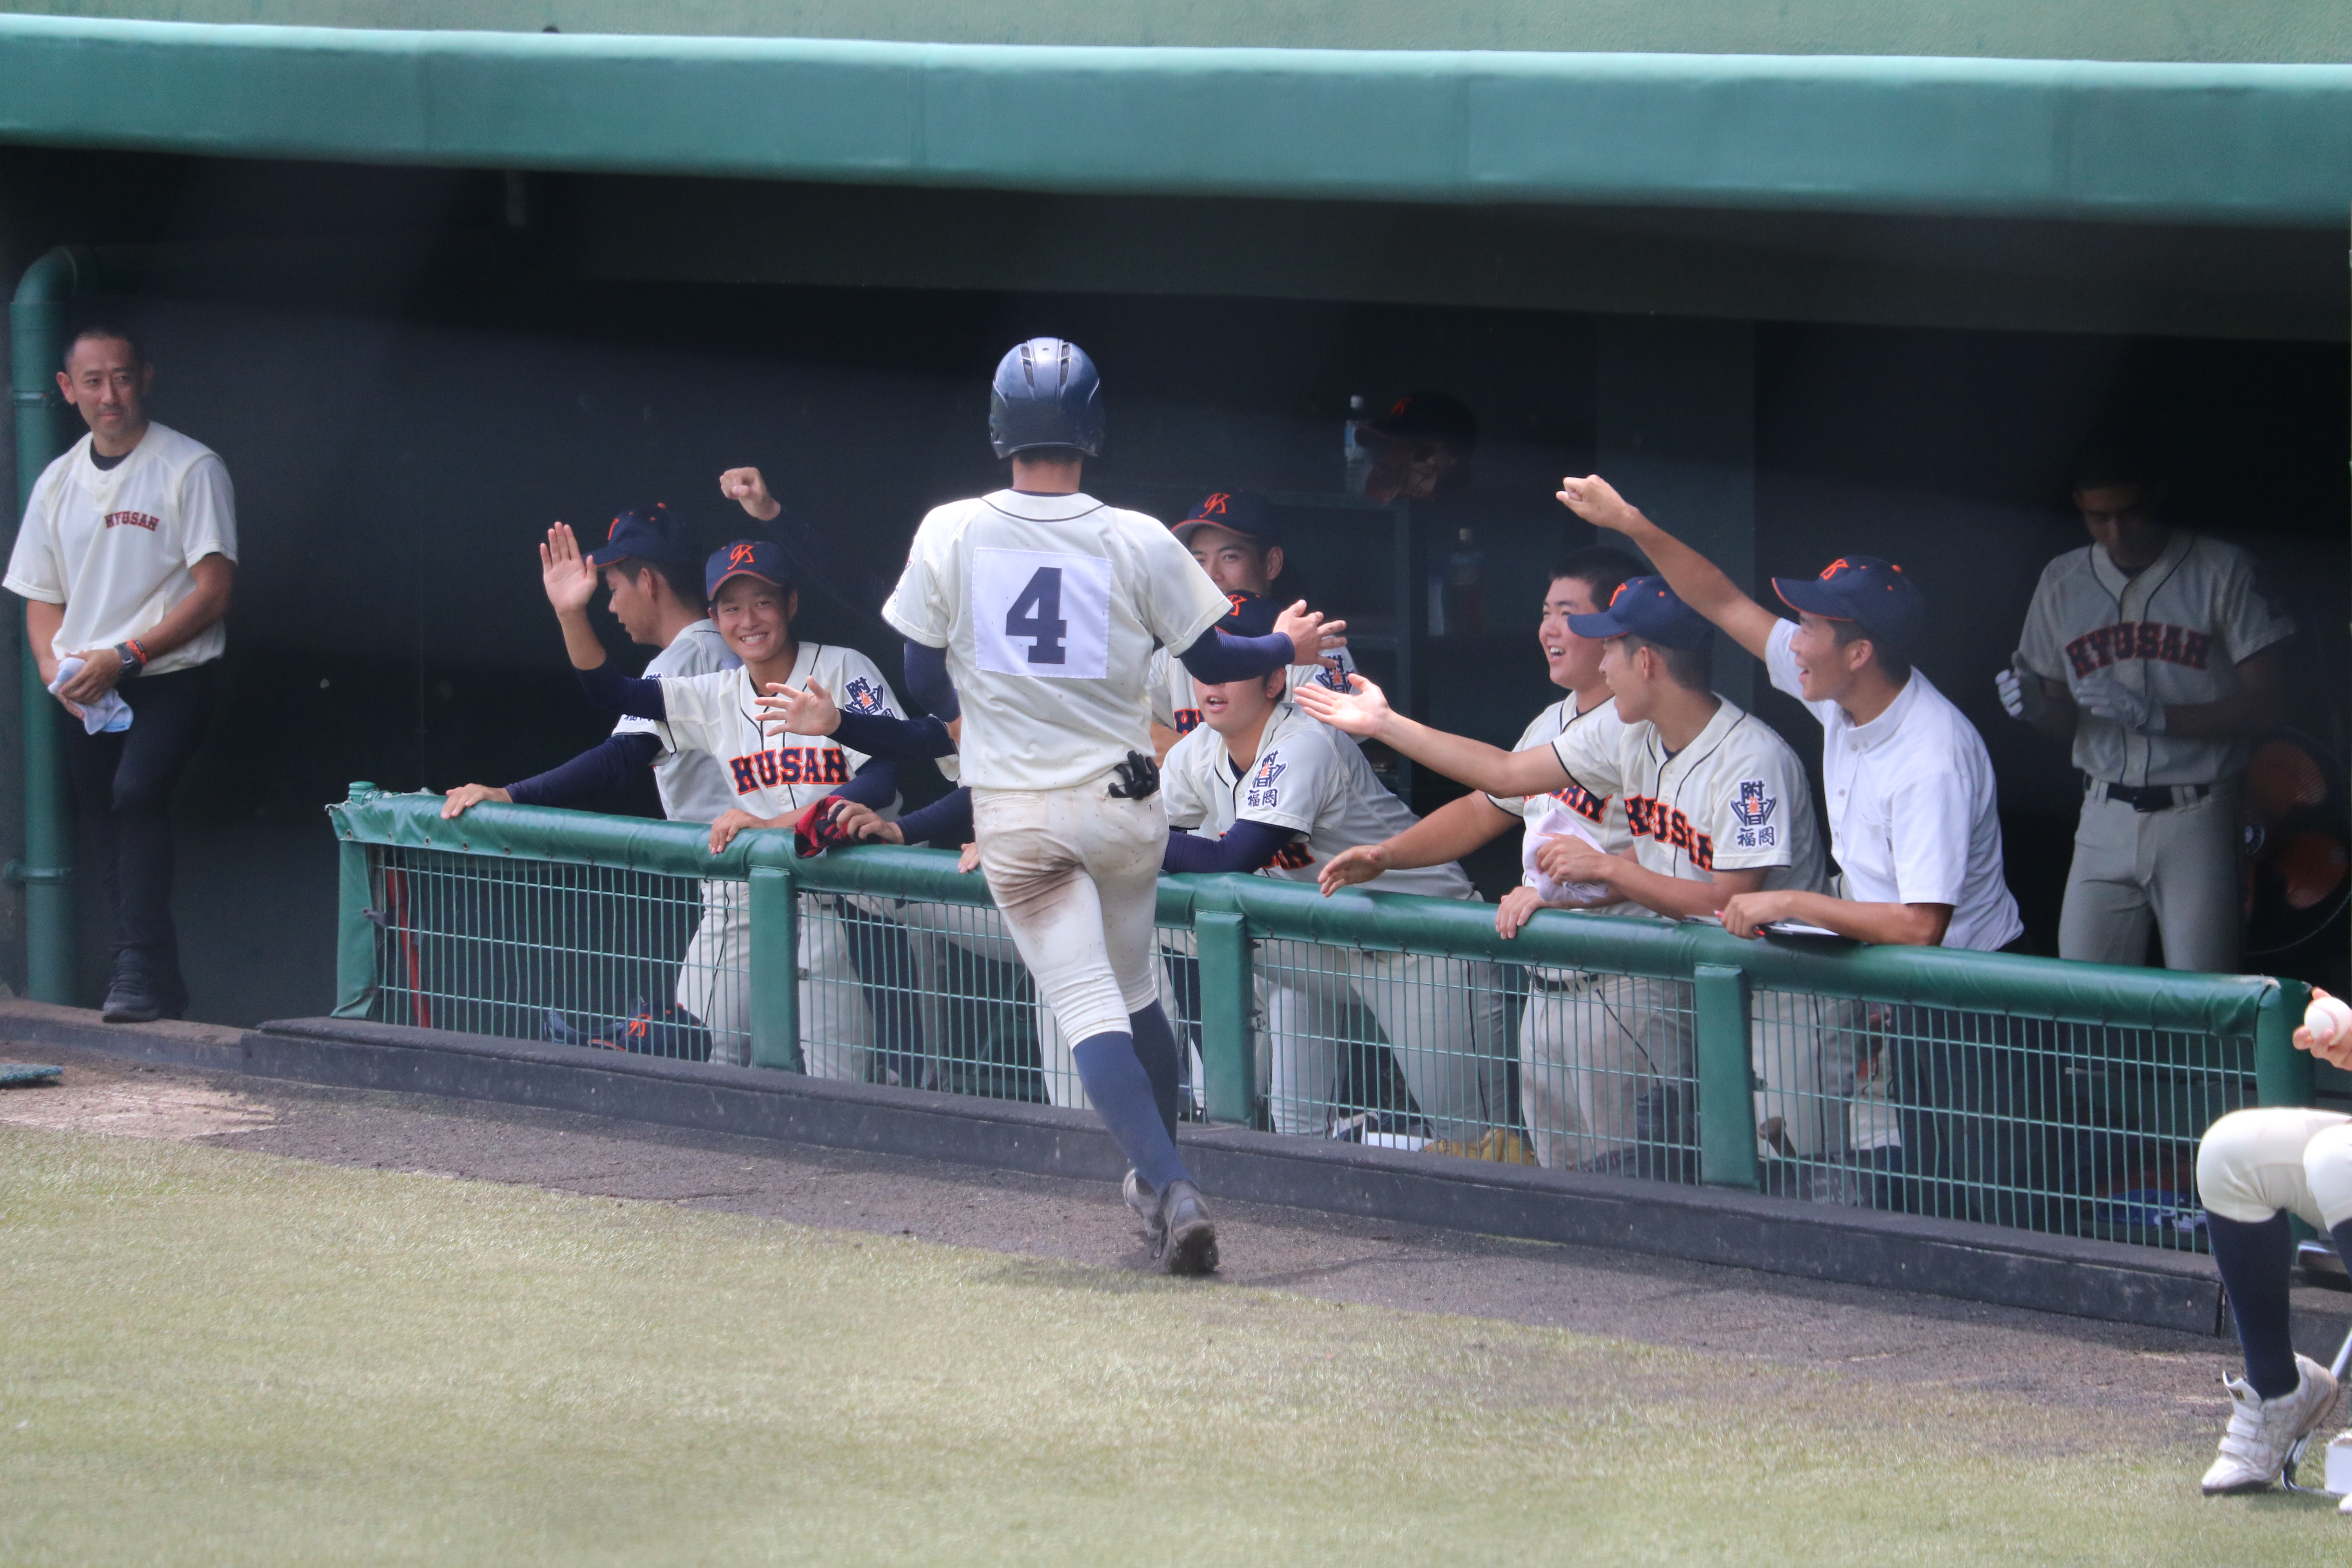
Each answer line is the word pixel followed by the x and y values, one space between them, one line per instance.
pixel 1355 456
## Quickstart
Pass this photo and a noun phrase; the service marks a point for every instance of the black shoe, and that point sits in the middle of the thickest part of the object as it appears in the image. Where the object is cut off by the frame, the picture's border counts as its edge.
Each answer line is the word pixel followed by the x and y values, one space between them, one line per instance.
pixel 130 998
pixel 1187 1238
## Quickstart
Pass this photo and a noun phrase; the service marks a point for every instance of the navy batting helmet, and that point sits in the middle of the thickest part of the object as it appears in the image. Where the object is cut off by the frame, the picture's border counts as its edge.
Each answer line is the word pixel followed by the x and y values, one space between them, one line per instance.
pixel 1047 395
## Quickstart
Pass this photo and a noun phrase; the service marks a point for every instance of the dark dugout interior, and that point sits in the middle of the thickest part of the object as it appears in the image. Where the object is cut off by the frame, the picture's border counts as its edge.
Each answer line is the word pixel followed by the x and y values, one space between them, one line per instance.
pixel 404 409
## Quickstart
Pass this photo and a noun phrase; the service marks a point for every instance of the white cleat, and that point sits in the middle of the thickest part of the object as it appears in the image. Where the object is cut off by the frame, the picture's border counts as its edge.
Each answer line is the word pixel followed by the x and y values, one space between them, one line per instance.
pixel 2254 1446
pixel 1146 1204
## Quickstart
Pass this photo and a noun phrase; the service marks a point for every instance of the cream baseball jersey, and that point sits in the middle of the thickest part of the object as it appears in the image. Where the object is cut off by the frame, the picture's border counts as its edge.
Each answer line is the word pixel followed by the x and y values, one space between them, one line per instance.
pixel 114 546
pixel 1308 778
pixel 1172 697
pixel 773 775
pixel 1049 608
pixel 1591 795
pixel 1735 799
pixel 695 785
pixel 2176 631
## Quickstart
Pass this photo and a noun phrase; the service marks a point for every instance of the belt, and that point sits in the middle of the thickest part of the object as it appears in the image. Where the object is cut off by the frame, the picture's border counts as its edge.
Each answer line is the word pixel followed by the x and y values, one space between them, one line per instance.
pixel 1556 987
pixel 2150 797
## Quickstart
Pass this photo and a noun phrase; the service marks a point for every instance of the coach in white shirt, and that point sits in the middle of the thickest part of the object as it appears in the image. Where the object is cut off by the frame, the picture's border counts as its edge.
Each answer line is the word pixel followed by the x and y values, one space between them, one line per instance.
pixel 125 562
pixel 1913 818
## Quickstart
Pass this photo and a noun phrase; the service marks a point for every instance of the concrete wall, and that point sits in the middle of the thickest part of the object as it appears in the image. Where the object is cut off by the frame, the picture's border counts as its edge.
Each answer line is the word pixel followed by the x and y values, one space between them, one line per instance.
pixel 2216 30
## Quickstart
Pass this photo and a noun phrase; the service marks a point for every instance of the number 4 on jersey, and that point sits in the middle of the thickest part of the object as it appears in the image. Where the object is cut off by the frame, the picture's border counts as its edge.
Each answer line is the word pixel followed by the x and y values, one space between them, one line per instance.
pixel 1036 613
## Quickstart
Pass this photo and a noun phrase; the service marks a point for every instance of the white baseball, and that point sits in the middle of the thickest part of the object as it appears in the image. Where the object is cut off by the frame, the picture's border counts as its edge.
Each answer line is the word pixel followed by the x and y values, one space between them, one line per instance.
pixel 2327 1017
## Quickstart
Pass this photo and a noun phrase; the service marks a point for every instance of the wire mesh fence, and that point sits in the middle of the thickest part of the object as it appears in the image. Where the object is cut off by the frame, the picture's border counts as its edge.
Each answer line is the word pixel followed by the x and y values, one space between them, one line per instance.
pixel 1992 1095
pixel 584 955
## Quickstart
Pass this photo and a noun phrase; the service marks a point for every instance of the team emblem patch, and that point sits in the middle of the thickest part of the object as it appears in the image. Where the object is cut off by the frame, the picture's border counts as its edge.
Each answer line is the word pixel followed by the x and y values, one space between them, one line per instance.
pixel 863 696
pixel 1261 791
pixel 1754 810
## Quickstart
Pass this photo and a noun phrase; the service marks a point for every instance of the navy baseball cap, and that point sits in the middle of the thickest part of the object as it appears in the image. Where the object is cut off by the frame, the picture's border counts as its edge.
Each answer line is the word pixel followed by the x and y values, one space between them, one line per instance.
pixel 1426 415
pixel 648 533
pixel 1253 616
pixel 1873 594
pixel 1647 608
pixel 761 558
pixel 1237 511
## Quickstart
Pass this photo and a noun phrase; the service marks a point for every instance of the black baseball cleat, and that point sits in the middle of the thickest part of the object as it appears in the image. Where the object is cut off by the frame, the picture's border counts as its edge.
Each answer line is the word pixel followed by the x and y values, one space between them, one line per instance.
pixel 130 998
pixel 1146 1204
pixel 1186 1238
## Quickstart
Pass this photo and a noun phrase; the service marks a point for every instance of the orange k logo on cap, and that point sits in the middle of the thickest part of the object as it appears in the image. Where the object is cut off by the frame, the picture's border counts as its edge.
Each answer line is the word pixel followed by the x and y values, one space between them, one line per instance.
pixel 738 556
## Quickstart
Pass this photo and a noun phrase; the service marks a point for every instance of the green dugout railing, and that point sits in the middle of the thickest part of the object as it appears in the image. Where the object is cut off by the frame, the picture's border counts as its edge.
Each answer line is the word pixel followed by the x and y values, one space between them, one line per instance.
pixel 2076 1090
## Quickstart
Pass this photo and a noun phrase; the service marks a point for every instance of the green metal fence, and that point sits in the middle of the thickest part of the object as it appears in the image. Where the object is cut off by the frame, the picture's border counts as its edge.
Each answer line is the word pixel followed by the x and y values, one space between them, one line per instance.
pixel 2052 1097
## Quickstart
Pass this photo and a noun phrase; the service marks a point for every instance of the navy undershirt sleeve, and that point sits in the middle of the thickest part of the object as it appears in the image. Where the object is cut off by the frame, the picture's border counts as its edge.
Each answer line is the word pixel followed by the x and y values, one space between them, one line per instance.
pixel 876 784
pixel 1220 657
pixel 594 772
pixel 616 693
pixel 947 820
pixel 1246 847
pixel 882 736
pixel 928 682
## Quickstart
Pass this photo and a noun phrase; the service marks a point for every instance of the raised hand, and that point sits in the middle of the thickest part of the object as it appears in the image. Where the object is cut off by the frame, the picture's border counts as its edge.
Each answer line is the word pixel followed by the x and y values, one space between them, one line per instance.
pixel 1358 863
pixel 805 710
pixel 745 487
pixel 1311 637
pixel 564 572
pixel 466 795
pixel 1360 713
pixel 1596 501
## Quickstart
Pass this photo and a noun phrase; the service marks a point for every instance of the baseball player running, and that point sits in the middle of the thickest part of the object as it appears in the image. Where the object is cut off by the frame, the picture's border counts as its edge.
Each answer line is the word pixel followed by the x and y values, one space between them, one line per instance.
pixel 2255 1168
pixel 647 562
pixel 1914 821
pixel 1236 538
pixel 2156 653
pixel 1039 607
pixel 1717 806
pixel 789 785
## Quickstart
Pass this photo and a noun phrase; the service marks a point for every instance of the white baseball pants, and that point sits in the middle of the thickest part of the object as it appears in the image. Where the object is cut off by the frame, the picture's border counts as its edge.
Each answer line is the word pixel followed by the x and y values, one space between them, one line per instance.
pixel 1076 874
pixel 2253 1164
pixel 714 984
pixel 2177 866
pixel 1442 1017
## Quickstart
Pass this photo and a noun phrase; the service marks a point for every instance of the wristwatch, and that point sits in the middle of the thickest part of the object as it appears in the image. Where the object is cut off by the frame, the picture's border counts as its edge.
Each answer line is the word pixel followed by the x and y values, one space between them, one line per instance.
pixel 133 656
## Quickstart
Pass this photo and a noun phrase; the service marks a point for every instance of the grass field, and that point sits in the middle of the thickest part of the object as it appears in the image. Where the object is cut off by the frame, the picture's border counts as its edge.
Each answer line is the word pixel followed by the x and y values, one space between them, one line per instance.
pixel 219 1357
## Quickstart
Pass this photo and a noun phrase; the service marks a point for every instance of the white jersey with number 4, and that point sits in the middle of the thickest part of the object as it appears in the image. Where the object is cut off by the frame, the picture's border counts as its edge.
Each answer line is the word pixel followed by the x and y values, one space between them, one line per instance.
pixel 1049 608
pixel 1309 779
pixel 1735 799
pixel 2175 630
pixel 773 775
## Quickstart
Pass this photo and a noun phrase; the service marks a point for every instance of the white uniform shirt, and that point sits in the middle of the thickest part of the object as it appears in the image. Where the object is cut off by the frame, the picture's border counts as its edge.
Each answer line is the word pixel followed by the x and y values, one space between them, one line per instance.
pixel 1172 697
pixel 1049 608
pixel 1735 799
pixel 1913 812
pixel 773 775
pixel 694 785
pixel 114 546
pixel 2176 631
pixel 1310 779
pixel 1593 796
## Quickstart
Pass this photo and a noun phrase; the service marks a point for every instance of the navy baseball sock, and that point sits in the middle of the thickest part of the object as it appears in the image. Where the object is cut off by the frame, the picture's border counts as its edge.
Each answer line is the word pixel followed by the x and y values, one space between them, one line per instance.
pixel 1123 1097
pixel 2255 1261
pixel 1155 1048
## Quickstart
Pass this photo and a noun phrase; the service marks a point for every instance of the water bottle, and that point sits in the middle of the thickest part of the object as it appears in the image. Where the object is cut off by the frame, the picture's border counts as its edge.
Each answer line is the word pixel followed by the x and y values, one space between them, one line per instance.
pixel 1355 456
pixel 1466 588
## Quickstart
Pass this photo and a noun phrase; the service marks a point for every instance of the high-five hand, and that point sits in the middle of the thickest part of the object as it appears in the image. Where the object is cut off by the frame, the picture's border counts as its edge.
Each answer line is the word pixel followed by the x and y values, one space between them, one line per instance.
pixel 1311 637
pixel 1360 713
pixel 803 711
pixel 1596 501
pixel 570 580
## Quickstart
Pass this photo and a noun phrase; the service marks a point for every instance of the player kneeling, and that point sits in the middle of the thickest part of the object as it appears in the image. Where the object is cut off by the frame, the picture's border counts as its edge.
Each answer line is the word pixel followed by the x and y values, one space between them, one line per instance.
pixel 1282 794
pixel 2253 1169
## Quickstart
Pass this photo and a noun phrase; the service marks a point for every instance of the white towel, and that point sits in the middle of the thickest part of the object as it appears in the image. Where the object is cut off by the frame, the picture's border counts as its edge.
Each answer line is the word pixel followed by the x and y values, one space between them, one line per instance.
pixel 1554 823
pixel 109 715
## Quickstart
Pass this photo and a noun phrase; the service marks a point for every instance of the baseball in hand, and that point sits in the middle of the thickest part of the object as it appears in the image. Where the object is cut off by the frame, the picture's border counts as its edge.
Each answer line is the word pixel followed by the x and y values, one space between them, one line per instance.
pixel 2329 1019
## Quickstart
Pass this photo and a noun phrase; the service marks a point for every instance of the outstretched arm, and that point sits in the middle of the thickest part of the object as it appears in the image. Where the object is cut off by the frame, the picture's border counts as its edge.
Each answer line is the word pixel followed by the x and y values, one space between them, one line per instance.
pixel 1696 580
pixel 1364 712
pixel 1449 833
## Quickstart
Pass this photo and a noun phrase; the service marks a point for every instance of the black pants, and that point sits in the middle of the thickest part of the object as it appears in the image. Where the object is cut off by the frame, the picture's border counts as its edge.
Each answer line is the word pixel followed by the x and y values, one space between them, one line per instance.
pixel 122 798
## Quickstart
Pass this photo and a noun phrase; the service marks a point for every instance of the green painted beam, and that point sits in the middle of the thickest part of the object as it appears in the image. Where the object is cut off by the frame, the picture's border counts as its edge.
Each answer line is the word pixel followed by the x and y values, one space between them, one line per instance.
pixel 2199 144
